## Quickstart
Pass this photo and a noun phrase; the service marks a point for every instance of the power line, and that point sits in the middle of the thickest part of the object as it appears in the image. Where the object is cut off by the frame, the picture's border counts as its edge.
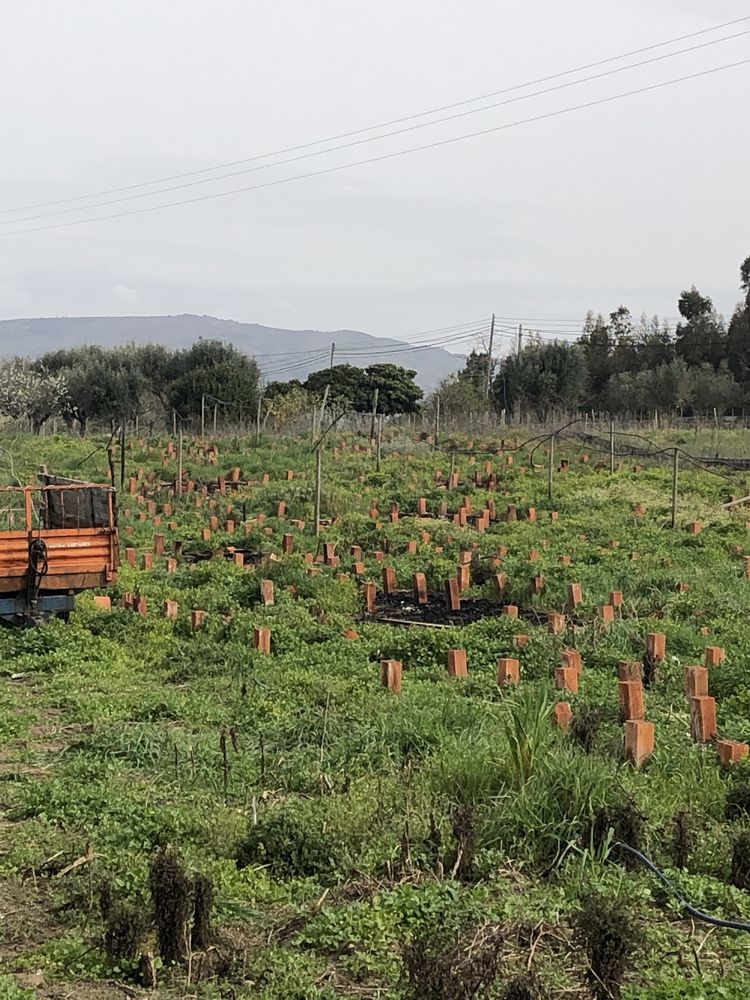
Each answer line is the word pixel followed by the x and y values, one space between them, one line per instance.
pixel 374 138
pixel 388 156
pixel 381 125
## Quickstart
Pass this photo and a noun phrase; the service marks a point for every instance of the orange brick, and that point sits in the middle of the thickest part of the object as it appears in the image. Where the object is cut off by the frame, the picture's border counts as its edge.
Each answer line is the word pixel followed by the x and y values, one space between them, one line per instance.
pixel 520 641
pixel 266 592
pixel 575 595
pixel 463 576
pixel 419 588
pixel 537 584
pixel 508 671
pixel 615 598
pixel 457 663
pixel 703 719
pixel 630 670
pixel 452 594
pixel 197 619
pixel 714 656
pixel 262 640
pixel 389 580
pixel 639 741
pixel 562 714
pixel 731 751
pixel 656 645
pixel 606 614
pixel 511 611
pixel 696 682
pixel 103 602
pixel 370 594
pixel 694 528
pixel 566 679
pixel 631 700
pixel 390 675
pixel 556 623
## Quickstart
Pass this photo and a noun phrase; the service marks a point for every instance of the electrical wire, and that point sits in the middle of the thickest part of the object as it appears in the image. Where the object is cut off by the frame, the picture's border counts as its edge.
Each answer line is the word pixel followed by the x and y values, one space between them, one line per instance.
pixel 377 138
pixel 388 156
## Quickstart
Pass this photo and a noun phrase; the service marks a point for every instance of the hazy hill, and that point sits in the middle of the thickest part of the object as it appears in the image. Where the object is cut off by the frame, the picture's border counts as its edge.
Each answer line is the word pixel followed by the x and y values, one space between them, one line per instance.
pixel 281 354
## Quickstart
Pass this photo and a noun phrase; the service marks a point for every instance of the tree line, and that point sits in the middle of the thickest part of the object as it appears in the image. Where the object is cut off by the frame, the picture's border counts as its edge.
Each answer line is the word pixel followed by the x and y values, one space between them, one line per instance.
pixel 620 366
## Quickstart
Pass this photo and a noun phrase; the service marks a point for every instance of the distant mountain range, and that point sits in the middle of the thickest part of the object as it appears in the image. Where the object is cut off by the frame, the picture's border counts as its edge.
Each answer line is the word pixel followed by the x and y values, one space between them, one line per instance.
pixel 281 354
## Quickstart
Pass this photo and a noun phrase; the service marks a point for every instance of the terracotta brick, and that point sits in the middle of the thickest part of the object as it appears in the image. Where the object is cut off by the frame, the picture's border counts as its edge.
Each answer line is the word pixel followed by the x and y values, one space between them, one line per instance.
pixel 452 594
pixel 630 694
pixel 171 610
pixel 639 741
pixel 262 640
pixel 130 556
pixel 572 658
pixel 562 714
pixel 731 751
pixel 103 602
pixel 606 614
pixel 511 610
pixel 147 561
pixel 566 679
pixel 238 558
pixel 508 671
pixel 370 594
pixel 694 528
pixel 500 584
pixel 537 584
pixel 229 526
pixel 287 544
pixel 630 670
pixel 714 656
pixel 351 633
pixel 266 592
pixel 159 545
pixel 703 719
pixel 389 580
pixel 197 619
pixel 419 588
pixel 575 595
pixel 531 514
pixel 390 675
pixel 556 623
pixel 463 576
pixel 520 641
pixel 456 662
pixel 696 682
pixel 656 645
pixel 421 507
pixel 564 560
pixel 358 569
pixel 533 555
pixel 206 534
pixel 615 598
pixel 329 551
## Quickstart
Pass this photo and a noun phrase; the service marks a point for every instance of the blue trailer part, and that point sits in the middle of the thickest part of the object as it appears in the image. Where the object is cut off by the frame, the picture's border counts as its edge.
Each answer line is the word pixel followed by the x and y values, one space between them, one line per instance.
pixel 15 610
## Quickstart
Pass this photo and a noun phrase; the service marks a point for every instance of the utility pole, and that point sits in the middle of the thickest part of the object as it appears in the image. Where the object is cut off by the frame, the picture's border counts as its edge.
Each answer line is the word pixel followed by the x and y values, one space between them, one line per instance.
pixel 379 443
pixel 122 455
pixel 179 465
pixel 203 417
pixel 257 418
pixel 216 414
pixel 437 420
pixel 520 340
pixel 611 447
pixel 375 395
pixel 675 464
pixel 489 356
pixel 550 468
pixel 318 483
pixel 333 348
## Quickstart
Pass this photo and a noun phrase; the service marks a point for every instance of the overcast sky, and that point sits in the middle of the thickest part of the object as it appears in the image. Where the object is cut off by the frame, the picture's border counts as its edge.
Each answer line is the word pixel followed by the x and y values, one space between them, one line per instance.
pixel 626 203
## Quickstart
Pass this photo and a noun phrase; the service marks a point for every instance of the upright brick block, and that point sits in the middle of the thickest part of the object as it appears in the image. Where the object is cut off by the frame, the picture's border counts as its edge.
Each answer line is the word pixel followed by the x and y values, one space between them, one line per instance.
pixel 703 719
pixel 630 694
pixel 606 614
pixel 390 675
pixel 457 663
pixel 714 656
pixel 500 584
pixel 511 610
pixel 639 741
pixel 103 602
pixel 656 646
pixel 630 670
pixel 421 507
pixel 159 545
pixel 452 594
pixel 556 623
pixel 171 610
pixel 262 640
pixel 287 544
pixel 463 576
pixel 615 598
pixel 575 595
pixel 147 560
pixel 508 671
pixel 696 682
pixel 370 594
pixel 130 556
pixel 731 751
pixel 197 619
pixel 520 641
pixel 419 588
pixel 562 715
pixel 572 658
pixel 389 580
pixel 537 584
pixel 566 679
pixel 266 592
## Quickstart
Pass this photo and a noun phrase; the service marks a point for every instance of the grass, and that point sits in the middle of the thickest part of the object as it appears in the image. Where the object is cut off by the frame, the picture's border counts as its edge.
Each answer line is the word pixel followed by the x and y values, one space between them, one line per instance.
pixel 346 836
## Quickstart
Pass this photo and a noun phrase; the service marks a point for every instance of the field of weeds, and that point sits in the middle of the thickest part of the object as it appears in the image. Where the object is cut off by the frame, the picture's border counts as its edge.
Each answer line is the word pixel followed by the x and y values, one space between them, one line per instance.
pixel 193 806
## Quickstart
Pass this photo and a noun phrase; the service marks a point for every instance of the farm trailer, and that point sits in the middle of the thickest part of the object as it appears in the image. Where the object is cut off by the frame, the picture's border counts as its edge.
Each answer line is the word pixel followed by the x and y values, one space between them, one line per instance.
pixel 61 538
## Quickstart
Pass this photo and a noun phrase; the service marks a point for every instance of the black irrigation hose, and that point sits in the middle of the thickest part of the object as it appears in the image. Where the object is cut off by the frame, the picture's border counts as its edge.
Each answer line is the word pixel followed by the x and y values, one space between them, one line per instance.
pixel 735 925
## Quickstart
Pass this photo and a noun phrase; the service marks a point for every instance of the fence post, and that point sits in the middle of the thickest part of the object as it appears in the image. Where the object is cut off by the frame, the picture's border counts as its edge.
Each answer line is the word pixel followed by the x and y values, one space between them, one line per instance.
pixel 379 442
pixel 551 465
pixel 611 447
pixel 318 481
pixel 675 463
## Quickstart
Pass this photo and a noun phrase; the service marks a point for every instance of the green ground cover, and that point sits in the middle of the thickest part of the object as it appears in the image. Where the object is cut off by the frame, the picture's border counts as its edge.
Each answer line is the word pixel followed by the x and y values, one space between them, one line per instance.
pixel 449 841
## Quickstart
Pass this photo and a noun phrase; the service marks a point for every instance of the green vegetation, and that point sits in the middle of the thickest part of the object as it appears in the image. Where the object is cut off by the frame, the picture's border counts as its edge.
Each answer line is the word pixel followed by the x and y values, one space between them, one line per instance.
pixel 178 807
